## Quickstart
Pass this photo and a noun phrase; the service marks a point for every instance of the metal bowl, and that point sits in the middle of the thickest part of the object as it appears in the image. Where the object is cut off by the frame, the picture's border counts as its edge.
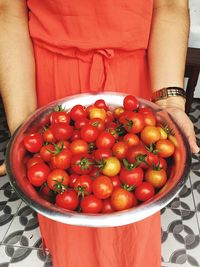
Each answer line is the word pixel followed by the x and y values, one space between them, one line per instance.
pixel 17 172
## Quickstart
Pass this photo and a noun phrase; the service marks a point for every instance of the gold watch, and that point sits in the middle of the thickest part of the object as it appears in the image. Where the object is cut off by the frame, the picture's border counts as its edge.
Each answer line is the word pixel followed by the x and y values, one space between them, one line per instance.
pixel 168 92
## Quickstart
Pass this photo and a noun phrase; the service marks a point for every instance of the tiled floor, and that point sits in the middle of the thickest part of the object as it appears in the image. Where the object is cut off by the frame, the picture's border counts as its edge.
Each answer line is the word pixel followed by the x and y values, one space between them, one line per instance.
pixel 20 242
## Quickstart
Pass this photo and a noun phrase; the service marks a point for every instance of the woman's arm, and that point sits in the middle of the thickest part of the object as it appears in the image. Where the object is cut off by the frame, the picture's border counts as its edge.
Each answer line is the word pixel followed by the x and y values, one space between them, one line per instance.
pixel 166 56
pixel 17 76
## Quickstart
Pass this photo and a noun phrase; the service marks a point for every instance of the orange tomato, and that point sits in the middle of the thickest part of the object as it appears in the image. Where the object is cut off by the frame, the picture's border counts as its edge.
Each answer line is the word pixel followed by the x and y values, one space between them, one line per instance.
pixel 97 113
pixel 150 134
pixel 112 166
pixel 165 148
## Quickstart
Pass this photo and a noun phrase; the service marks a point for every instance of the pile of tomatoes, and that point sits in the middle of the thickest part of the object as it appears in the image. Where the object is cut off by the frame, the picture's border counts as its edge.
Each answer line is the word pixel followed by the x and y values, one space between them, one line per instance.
pixel 100 159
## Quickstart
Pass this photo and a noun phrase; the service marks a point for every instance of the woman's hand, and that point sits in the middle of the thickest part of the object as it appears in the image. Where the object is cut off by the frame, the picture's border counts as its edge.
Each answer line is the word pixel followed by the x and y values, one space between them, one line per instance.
pixel 2 169
pixel 175 107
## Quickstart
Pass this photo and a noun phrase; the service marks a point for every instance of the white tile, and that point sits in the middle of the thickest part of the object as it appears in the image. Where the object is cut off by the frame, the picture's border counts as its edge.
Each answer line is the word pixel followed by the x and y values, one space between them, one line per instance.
pixel 169 247
pixel 5 256
pixel 190 219
pixel 3 180
pixel 27 258
pixel 8 210
pixel 33 237
pixel 168 217
pixel 193 256
pixel 24 230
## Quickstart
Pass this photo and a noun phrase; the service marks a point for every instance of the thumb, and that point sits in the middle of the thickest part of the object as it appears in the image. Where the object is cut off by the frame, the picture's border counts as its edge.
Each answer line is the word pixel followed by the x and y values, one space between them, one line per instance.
pixel 190 135
pixel 2 169
pixel 187 127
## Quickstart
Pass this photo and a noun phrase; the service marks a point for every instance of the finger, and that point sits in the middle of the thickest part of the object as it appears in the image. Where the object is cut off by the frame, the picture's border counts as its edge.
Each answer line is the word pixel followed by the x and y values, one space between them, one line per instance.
pixel 193 145
pixel 190 134
pixel 187 127
pixel 2 169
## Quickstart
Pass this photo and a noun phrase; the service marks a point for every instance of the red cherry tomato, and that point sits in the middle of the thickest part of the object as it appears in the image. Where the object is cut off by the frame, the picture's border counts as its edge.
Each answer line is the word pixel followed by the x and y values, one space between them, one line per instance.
pixel 109 117
pixel 59 116
pixel 81 122
pixel 102 187
pixel 38 173
pixel 149 119
pixel 61 159
pixel 135 153
pixel 81 164
pixel 145 111
pixel 75 135
pixel 145 191
pixel 162 163
pixel 46 152
pixel 102 153
pixel 130 103
pixel 72 179
pixel 131 139
pixel 156 177
pixel 58 180
pixel 63 144
pixel 78 146
pixel 165 148
pixel 122 199
pixel 100 103
pixel 61 131
pixel 67 199
pixel 98 123
pixel 33 142
pixel 83 185
pixel 89 133
pixel 120 150
pixel 33 161
pixel 91 204
pixel 106 206
pixel 115 181
pixel 48 136
pixel 152 159
pixel 132 177
pixel 133 122
pixel 105 140
pixel 78 112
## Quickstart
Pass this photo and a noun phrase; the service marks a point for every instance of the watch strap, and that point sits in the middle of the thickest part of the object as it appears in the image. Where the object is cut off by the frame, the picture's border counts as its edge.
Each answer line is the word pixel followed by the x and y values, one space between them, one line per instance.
pixel 168 92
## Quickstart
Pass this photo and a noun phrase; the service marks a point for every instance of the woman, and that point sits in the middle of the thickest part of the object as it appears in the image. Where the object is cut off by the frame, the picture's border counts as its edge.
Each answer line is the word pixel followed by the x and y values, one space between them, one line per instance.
pixel 83 46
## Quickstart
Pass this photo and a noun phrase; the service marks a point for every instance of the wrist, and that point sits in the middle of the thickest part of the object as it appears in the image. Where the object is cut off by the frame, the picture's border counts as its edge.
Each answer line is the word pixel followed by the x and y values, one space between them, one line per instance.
pixel 172 102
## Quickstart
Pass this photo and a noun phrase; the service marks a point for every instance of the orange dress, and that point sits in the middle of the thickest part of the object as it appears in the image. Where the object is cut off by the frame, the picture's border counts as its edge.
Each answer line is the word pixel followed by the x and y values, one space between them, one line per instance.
pixel 91 46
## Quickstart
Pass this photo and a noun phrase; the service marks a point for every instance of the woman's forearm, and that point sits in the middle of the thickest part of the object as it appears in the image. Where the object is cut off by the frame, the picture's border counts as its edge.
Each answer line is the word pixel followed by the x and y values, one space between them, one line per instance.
pixel 17 74
pixel 168 44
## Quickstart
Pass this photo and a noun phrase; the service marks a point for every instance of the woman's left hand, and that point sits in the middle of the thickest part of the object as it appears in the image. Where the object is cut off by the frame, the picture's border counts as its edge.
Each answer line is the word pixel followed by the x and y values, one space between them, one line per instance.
pixel 181 118
pixel 175 107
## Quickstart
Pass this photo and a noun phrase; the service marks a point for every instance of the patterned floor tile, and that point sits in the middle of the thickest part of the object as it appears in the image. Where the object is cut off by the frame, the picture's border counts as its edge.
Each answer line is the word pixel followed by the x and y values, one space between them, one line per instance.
pixel 184 200
pixel 4 182
pixel 27 257
pixel 4 257
pixel 9 204
pixel 24 229
pixel 164 264
pixel 180 237
pixel 171 221
pixel 195 178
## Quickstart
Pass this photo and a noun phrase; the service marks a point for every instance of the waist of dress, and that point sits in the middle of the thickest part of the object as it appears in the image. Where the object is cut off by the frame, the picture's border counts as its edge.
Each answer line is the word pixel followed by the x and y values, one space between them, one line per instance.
pixel 88 54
